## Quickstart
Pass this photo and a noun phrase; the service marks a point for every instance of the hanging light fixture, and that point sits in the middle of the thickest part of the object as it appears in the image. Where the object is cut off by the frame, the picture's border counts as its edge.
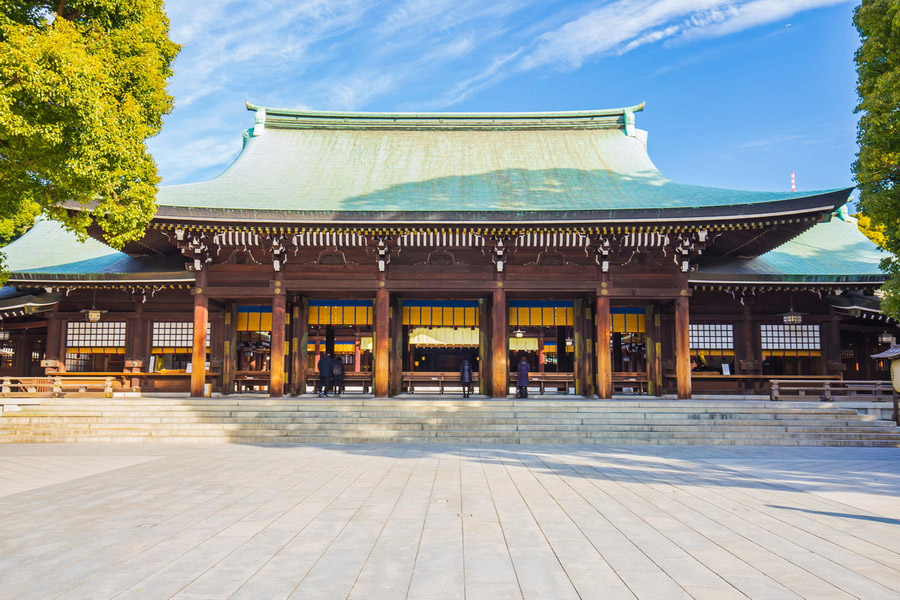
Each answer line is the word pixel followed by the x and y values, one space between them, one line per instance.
pixel 92 315
pixel 518 333
pixel 792 317
pixel 885 338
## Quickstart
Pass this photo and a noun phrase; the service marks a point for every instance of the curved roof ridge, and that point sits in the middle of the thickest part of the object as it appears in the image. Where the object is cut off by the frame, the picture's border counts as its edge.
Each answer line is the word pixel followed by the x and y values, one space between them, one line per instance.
pixel 604 112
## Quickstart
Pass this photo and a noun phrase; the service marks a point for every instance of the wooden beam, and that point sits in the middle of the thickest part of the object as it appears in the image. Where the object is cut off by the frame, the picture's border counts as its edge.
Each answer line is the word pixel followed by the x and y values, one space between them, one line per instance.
pixel 299 345
pixel 382 342
pixel 484 347
pixel 499 344
pixel 276 369
pixel 201 318
pixel 682 348
pixel 604 361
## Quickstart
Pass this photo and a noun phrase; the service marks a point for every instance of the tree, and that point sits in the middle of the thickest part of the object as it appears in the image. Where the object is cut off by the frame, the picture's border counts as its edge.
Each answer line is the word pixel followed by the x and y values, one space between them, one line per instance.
pixel 873 232
pixel 877 167
pixel 82 86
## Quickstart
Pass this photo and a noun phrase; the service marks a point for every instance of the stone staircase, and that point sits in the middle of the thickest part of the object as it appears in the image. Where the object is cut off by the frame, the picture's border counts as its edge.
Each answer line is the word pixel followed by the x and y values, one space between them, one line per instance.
pixel 300 420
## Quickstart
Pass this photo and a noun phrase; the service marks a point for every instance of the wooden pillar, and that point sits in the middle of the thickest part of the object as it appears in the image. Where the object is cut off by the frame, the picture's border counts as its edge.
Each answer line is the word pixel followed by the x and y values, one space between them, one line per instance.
pixel 396 344
pixel 299 345
pixel 54 334
pixel 604 360
pixel 682 348
pixel 137 344
pixel 653 347
pixel 484 347
pixel 382 342
pixel 581 364
pixel 229 358
pixel 201 318
pixel 499 345
pixel 276 357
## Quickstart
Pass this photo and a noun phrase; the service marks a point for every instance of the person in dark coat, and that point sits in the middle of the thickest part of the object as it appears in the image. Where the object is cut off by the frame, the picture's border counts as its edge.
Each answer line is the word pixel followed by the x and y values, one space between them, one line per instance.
pixel 337 375
pixel 326 364
pixel 522 380
pixel 465 377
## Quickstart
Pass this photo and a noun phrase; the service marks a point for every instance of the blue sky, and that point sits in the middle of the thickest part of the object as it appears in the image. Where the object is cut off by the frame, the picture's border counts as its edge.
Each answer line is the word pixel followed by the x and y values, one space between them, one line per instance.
pixel 739 92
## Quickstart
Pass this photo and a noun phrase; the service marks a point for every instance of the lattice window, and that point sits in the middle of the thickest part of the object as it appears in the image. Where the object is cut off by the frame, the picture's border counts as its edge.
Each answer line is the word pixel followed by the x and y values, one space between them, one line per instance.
pixel 7 354
pixel 78 362
pixel 175 334
pixel 106 334
pixel 712 336
pixel 790 337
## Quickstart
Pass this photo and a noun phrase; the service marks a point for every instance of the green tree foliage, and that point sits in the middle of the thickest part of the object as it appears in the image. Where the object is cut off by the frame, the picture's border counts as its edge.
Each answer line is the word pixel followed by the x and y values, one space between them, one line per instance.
pixel 871 231
pixel 877 167
pixel 82 86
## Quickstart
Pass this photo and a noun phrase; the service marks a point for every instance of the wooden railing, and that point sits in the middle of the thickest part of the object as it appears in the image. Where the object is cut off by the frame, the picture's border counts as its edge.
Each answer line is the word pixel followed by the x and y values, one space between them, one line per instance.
pixel 827 391
pixel 58 385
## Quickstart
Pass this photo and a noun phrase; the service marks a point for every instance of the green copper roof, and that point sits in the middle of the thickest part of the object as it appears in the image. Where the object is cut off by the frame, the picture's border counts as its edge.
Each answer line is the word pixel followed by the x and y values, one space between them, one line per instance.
pixel 832 251
pixel 467 162
pixel 48 251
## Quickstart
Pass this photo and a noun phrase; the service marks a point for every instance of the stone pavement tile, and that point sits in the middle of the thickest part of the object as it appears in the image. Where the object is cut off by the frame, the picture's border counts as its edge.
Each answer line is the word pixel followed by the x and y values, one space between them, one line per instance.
pixel 280 576
pixel 438 568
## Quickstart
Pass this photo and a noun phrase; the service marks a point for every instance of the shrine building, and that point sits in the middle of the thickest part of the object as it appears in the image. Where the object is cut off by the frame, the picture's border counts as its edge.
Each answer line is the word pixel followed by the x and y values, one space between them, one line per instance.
pixel 406 243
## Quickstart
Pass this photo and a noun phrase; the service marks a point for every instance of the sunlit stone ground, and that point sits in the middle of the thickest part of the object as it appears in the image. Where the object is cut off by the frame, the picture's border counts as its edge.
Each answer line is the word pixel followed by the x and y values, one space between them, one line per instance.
pixel 492 522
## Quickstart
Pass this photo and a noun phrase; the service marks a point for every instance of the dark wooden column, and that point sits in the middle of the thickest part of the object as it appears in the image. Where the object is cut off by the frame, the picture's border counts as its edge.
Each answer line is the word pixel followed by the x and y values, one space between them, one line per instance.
pixel 299 345
pixel 201 318
pixel 276 372
pixel 682 347
pixel 654 360
pixel 229 358
pixel 484 347
pixel 499 344
pixel 137 343
pixel 52 347
pixel 396 345
pixel 382 341
pixel 604 362
pixel 582 364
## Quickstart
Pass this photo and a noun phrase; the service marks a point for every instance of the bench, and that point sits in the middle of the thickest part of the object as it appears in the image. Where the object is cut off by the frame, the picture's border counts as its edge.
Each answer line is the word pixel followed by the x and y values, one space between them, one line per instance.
pixel 362 379
pixel 544 380
pixel 636 381
pixel 440 379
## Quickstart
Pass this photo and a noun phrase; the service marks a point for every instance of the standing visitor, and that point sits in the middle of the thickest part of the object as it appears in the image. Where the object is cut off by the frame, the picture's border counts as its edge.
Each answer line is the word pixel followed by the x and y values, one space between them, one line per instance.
pixel 337 373
pixel 326 364
pixel 522 381
pixel 465 377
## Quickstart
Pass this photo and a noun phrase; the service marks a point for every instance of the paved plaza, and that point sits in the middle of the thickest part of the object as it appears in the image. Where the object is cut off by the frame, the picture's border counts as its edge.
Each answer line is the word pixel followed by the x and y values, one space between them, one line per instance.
pixel 432 522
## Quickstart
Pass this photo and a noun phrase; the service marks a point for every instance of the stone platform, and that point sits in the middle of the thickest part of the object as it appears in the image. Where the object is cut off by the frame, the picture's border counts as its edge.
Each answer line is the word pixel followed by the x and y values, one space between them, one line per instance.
pixel 258 419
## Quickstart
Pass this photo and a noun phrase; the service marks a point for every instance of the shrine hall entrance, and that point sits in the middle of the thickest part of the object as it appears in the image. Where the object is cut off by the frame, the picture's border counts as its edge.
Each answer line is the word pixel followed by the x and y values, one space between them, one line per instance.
pixel 542 332
pixel 342 329
pixel 438 335
pixel 628 350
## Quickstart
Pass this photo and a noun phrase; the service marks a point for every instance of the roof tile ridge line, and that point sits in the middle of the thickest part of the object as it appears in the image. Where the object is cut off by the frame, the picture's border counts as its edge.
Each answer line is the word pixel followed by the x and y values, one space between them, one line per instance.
pixel 266 110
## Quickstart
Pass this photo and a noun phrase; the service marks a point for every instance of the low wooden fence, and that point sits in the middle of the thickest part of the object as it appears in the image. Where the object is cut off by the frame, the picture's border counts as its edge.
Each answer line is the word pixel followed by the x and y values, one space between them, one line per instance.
pixel 55 386
pixel 835 391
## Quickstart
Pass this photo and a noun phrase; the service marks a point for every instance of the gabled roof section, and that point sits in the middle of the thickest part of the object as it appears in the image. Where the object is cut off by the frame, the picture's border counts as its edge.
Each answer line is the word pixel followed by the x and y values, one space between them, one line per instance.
pixel 306 166
pixel 833 251
pixel 49 252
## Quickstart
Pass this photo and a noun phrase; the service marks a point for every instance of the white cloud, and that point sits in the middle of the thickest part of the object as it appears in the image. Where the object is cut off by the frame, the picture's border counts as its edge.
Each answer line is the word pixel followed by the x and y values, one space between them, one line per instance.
pixel 624 25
